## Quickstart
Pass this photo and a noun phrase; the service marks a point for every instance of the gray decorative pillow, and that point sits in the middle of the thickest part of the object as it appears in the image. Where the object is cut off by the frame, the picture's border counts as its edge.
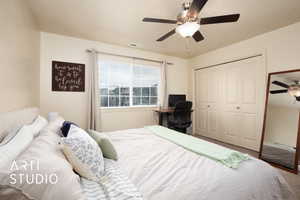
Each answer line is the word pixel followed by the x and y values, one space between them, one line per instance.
pixel 105 144
pixel 83 154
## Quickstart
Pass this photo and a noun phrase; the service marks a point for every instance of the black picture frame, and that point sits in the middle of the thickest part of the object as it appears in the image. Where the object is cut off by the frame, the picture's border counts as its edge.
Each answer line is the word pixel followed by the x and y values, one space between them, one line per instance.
pixel 68 77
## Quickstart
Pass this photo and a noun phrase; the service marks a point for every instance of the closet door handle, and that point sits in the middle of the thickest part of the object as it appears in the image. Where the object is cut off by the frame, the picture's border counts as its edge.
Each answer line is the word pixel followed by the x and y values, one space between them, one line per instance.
pixel 238 107
pixel 208 106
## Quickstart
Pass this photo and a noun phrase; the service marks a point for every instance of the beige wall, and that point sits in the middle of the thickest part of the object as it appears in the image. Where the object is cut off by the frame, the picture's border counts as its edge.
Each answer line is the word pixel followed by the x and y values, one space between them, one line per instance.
pixel 282 125
pixel 73 106
pixel 19 56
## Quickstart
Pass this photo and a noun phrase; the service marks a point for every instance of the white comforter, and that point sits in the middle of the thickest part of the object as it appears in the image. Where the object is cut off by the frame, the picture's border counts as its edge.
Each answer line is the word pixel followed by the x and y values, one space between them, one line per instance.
pixel 164 171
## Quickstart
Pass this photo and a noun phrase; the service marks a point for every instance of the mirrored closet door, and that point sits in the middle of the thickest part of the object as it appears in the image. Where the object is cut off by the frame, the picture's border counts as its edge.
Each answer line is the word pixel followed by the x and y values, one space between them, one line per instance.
pixel 280 141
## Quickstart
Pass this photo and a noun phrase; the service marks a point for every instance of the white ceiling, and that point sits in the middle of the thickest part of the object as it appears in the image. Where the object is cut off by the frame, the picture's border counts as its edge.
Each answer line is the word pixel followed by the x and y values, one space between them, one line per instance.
pixel 120 21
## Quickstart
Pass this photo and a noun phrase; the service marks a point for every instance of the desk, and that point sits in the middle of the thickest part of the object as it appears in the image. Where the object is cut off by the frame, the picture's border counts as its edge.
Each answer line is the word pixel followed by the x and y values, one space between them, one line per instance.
pixel 161 112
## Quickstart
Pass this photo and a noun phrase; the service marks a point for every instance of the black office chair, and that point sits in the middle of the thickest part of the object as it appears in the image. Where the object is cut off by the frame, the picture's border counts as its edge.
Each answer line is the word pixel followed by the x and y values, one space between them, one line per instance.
pixel 180 120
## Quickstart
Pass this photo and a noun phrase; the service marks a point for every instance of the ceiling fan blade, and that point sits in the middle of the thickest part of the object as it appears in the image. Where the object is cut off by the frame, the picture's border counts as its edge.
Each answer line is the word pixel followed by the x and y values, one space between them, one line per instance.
pixel 220 19
pixel 198 36
pixel 278 91
pixel 155 20
pixel 196 7
pixel 280 84
pixel 172 32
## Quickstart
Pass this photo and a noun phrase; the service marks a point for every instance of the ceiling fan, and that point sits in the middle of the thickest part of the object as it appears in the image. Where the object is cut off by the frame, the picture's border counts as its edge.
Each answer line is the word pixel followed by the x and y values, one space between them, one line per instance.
pixel 293 90
pixel 188 21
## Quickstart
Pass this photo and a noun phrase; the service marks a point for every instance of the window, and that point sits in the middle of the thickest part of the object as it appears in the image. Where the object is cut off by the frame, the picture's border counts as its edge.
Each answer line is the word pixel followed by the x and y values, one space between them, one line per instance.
pixel 128 84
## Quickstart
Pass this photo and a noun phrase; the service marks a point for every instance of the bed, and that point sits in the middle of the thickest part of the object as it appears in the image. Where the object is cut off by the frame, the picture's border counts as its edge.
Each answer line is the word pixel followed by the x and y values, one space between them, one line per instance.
pixel 163 170
pixel 158 168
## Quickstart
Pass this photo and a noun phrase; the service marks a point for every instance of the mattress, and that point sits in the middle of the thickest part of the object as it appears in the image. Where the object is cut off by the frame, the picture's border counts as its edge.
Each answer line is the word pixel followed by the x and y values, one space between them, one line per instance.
pixel 163 170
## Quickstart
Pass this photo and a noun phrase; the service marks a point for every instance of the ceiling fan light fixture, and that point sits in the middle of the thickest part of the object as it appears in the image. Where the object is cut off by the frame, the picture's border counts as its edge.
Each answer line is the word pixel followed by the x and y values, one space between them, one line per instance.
pixel 188 29
pixel 294 90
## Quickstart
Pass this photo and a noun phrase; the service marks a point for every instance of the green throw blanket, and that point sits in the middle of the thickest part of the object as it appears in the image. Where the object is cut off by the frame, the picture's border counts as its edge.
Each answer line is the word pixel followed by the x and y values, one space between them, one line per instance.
pixel 227 157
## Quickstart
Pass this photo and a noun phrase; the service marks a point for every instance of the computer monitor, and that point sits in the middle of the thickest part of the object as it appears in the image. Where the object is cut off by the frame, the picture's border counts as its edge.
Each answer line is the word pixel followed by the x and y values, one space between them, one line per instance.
pixel 175 98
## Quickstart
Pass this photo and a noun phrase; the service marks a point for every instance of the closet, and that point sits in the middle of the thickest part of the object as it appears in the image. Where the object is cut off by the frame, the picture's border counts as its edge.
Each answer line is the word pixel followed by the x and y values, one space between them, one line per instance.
pixel 230 101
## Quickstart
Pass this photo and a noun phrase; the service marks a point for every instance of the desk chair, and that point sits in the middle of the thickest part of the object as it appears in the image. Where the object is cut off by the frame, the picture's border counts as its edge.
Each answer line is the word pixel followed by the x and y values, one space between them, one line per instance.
pixel 180 119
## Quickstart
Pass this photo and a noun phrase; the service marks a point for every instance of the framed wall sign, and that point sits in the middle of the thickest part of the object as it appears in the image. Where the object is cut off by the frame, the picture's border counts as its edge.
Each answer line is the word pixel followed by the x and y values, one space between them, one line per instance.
pixel 68 77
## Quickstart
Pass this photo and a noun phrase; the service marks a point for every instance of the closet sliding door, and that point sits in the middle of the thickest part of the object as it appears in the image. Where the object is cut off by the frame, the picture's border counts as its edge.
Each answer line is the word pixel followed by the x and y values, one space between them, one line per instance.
pixel 229 102
pixel 253 87
pixel 232 95
pixel 208 94
pixel 201 102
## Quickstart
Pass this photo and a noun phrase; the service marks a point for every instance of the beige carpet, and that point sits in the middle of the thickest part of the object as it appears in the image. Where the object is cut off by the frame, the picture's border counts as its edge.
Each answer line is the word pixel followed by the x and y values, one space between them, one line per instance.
pixel 292 179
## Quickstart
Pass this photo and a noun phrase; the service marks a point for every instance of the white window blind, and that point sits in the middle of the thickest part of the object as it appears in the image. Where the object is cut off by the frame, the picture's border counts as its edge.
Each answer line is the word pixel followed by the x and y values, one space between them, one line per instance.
pixel 128 83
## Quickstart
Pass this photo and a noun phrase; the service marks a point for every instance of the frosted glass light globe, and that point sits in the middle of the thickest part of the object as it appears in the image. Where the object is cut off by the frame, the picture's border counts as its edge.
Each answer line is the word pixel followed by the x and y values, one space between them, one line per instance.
pixel 188 29
pixel 294 90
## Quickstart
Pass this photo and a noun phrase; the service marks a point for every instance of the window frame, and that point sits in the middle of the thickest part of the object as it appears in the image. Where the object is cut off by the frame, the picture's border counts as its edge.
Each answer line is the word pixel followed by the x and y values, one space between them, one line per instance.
pixel 131 106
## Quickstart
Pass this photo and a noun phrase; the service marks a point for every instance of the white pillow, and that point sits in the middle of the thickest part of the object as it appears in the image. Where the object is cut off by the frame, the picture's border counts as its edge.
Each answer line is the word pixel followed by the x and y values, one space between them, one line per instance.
pixel 52 116
pixel 9 120
pixel 10 135
pixel 15 146
pixel 38 124
pixel 83 153
pixel 51 163
pixel 2 136
pixel 55 125
pixel 18 140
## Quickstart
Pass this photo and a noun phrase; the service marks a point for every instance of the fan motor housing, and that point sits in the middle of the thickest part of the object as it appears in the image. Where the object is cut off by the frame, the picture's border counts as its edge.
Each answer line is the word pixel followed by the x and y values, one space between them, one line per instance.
pixel 183 17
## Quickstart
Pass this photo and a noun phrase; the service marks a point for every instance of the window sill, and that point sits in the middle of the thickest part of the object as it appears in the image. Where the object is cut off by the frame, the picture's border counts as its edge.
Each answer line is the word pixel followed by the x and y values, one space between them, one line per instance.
pixel 127 109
